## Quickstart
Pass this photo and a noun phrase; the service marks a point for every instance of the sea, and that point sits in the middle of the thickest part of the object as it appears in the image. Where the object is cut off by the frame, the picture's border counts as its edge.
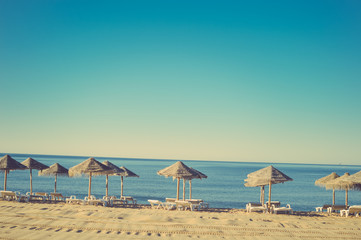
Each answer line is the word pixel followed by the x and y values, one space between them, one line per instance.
pixel 224 187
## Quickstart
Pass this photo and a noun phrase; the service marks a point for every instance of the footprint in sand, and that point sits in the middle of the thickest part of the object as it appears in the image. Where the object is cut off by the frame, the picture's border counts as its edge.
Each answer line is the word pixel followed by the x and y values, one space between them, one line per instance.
pixel 79 231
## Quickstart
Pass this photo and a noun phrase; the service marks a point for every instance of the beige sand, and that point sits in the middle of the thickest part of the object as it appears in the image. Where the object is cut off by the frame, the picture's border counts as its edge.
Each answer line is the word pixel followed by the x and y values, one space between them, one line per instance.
pixel 63 221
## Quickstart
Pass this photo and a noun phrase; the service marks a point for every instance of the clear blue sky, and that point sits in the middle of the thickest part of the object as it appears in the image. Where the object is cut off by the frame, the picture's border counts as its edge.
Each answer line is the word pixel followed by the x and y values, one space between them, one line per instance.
pixel 273 81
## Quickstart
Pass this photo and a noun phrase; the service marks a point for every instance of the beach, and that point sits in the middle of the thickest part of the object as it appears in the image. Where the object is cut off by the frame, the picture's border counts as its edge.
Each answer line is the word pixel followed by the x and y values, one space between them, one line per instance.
pixel 66 221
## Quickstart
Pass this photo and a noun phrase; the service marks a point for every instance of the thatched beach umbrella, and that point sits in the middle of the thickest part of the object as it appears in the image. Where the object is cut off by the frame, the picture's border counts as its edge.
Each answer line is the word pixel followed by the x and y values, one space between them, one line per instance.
pixel 90 167
pixel 337 183
pixel 324 180
pixel 266 176
pixel 353 181
pixel 115 170
pixel 125 173
pixel 54 170
pixel 7 163
pixel 179 170
pixel 31 164
pixel 200 176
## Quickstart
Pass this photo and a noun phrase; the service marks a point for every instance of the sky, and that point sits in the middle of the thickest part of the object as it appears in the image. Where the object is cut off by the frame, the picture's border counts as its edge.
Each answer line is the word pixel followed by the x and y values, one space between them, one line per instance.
pixel 254 81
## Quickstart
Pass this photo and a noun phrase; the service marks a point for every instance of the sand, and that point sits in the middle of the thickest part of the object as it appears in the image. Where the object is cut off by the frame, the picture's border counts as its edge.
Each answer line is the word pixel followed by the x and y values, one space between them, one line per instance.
pixel 65 221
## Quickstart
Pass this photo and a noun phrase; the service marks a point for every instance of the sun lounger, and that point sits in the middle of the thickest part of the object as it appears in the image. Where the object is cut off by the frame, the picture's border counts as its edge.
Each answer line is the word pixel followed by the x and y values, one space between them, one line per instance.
pixel 57 197
pixel 92 200
pixel 256 207
pixel 275 203
pixel 73 200
pixel 129 200
pixel 184 205
pixel 37 197
pixel 324 207
pixel 286 209
pixel 13 196
pixel 355 209
pixel 202 204
pixel 156 204
pixel 22 197
pixel 113 201
pixel 336 208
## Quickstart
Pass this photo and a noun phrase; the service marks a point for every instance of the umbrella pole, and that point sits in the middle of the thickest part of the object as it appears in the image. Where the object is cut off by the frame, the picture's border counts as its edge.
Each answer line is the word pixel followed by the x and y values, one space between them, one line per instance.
pixel 56 176
pixel 106 186
pixel 121 186
pixel 346 197
pixel 333 197
pixel 31 182
pixel 269 195
pixel 184 189
pixel 190 189
pixel 5 179
pixel 177 189
pixel 90 184
pixel 262 195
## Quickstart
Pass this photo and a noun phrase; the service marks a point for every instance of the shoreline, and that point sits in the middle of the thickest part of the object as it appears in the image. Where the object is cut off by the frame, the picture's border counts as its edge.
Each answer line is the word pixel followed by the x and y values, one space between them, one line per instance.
pixel 60 221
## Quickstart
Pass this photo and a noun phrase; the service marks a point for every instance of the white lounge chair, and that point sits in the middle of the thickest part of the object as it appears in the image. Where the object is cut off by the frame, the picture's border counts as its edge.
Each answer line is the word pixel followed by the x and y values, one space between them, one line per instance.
pixel 355 209
pixel 92 200
pixel 335 208
pixel 13 196
pixel 202 204
pixel 286 209
pixel 129 200
pixel 256 207
pixel 73 200
pixel 57 197
pixel 324 207
pixel 156 204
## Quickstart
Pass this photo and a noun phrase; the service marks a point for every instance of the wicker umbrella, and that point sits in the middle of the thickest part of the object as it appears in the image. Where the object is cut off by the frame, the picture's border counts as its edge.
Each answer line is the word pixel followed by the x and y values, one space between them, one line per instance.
pixel 266 176
pixel 324 180
pixel 31 164
pixel 115 169
pixel 54 170
pixel 7 163
pixel 200 176
pixel 90 167
pixel 338 184
pixel 179 170
pixel 125 173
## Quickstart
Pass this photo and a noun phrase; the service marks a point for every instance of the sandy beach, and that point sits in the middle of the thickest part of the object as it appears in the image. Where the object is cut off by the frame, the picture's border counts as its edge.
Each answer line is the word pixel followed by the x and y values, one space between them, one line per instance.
pixel 64 221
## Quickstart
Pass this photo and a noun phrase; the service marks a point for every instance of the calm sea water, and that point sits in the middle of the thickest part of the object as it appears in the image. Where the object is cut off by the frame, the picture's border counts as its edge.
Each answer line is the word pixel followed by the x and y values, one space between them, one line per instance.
pixel 223 188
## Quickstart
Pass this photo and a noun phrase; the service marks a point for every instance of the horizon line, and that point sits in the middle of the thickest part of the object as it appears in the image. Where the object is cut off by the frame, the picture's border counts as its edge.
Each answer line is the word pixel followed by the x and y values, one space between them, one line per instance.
pixel 165 159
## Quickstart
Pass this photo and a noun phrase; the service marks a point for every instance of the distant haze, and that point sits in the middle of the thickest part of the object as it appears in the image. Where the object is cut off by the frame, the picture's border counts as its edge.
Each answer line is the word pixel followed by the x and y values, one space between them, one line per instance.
pixel 268 81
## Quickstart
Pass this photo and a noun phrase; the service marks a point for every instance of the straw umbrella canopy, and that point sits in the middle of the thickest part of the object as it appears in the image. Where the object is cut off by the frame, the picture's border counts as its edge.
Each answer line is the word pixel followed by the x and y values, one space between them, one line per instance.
pixel 338 184
pixel 90 167
pixel 200 176
pixel 179 171
pixel 266 176
pixel 54 170
pixel 7 163
pixel 115 168
pixel 125 173
pixel 352 182
pixel 31 164
pixel 324 180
